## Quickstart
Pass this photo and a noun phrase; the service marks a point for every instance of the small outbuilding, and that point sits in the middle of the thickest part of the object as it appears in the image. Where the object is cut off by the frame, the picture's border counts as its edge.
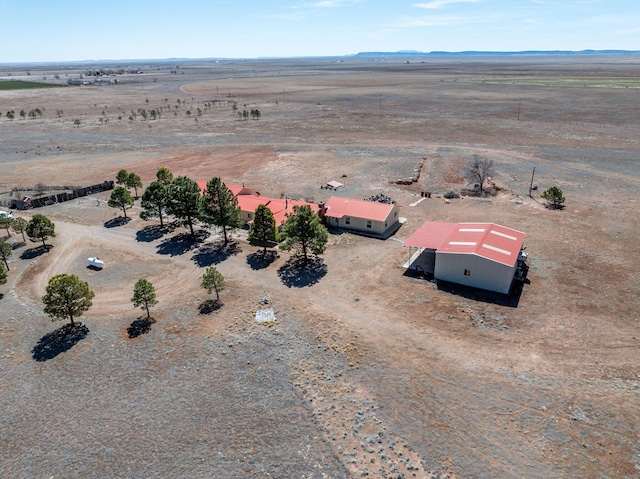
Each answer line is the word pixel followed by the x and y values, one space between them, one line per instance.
pixel 334 185
pixel 481 255
pixel 366 217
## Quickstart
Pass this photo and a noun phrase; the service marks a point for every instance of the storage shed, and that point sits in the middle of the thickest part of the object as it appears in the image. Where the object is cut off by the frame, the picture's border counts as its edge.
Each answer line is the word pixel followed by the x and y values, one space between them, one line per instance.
pixel 368 217
pixel 481 255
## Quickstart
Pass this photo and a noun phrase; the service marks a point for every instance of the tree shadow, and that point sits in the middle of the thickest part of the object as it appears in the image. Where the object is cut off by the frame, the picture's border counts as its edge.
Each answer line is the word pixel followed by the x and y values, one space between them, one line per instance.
pixel 1 296
pixel 140 326
pixel 209 306
pixel 261 260
pixel 17 245
pixel 215 253
pixel 35 252
pixel 181 243
pixel 298 273
pixel 115 222
pixel 59 341
pixel 151 233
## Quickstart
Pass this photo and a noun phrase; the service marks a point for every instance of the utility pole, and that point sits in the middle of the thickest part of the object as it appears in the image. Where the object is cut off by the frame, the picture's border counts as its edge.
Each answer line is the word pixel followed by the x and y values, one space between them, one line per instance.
pixel 531 185
pixel 519 107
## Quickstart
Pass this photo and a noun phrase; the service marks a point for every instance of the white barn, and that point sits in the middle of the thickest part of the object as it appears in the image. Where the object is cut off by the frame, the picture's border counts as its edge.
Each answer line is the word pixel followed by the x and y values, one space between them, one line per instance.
pixel 481 255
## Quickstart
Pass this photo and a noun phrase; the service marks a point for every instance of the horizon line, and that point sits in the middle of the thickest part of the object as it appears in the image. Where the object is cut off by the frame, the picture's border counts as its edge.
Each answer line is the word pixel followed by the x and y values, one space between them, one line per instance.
pixel 398 53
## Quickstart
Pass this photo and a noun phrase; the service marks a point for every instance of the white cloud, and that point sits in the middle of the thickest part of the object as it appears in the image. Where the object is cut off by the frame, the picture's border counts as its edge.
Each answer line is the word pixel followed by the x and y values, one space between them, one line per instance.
pixel 437 4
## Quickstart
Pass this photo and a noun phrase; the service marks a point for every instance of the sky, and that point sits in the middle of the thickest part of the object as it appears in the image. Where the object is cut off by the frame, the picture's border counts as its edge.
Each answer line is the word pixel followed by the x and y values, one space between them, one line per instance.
pixel 72 30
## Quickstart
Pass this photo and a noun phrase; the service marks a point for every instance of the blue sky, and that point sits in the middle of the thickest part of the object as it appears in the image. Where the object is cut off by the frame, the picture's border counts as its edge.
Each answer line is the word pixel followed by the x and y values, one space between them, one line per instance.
pixel 65 30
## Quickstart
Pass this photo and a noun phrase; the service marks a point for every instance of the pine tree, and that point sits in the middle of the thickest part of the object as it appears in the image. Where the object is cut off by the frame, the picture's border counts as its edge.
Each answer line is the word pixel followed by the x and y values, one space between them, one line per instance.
pixel 182 201
pixel 263 229
pixel 144 295
pixel 218 206
pixel 67 297
pixel 304 231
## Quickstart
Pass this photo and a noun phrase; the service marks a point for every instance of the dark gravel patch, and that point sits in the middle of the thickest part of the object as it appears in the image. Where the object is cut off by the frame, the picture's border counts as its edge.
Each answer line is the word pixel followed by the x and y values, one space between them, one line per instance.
pixel 170 404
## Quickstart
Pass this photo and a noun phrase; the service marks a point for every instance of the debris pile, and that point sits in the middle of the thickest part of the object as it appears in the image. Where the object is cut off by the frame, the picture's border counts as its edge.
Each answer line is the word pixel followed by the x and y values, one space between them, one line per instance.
pixel 381 198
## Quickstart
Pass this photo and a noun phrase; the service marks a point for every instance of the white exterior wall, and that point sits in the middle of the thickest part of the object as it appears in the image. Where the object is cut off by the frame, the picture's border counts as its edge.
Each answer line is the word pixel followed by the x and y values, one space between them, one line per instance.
pixel 360 224
pixel 485 274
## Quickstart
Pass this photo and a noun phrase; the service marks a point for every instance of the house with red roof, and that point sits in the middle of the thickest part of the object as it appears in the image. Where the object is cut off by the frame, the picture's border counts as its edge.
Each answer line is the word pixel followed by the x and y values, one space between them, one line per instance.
pixel 482 255
pixel 366 217
pixel 280 207
pixel 249 199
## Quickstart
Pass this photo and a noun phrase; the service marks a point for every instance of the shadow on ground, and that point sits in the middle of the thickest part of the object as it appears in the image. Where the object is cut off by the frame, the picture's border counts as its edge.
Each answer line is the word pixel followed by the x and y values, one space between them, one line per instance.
pixel 209 306
pixel 261 260
pixel 35 252
pixel 510 300
pixel 298 273
pixel 59 341
pixel 151 233
pixel 115 222
pixel 140 326
pixel 215 253
pixel 17 245
pixel 181 243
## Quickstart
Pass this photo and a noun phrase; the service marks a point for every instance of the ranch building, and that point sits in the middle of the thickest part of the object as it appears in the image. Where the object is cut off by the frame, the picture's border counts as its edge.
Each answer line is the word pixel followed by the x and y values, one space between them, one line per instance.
pixel 249 199
pixel 364 217
pixel 481 255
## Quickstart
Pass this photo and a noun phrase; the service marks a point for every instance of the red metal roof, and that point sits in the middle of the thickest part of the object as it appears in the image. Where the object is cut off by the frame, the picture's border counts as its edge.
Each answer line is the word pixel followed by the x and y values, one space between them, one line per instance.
pixel 235 189
pixel 338 207
pixel 488 240
pixel 249 199
pixel 280 207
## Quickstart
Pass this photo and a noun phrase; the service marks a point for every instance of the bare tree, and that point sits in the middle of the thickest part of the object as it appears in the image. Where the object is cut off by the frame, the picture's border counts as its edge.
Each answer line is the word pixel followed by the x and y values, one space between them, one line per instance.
pixel 479 170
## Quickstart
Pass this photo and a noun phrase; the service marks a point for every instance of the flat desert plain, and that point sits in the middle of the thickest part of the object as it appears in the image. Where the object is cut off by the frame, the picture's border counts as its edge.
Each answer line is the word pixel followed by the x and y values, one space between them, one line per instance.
pixel 367 371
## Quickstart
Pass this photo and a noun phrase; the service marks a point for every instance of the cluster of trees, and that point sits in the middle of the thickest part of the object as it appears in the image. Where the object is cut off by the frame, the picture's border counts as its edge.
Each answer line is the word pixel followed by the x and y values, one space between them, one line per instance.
pixel 254 113
pixel 39 228
pixel 33 113
pixel 217 206
pixel 120 196
pixel 68 297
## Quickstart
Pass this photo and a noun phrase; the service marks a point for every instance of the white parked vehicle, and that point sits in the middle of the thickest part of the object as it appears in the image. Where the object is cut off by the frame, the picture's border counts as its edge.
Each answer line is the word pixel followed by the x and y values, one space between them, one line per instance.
pixel 95 262
pixel 6 214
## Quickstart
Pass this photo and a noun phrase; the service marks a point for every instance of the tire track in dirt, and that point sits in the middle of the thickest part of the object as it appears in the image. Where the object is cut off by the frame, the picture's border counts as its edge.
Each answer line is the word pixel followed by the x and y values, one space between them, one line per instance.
pixel 172 281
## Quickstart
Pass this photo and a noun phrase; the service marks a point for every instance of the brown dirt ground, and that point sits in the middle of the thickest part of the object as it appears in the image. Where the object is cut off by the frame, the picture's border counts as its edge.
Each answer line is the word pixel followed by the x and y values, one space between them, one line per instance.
pixel 367 371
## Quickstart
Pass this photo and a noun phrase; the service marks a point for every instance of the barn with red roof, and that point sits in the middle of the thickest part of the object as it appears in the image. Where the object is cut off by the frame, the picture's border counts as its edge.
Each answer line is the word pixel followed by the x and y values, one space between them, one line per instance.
pixel 482 255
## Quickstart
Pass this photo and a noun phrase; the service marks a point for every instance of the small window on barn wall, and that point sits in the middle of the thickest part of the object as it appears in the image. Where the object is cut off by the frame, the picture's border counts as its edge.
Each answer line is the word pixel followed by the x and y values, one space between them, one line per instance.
pixel 250 215
pixel 395 214
pixel 347 220
pixel 368 223
pixel 467 272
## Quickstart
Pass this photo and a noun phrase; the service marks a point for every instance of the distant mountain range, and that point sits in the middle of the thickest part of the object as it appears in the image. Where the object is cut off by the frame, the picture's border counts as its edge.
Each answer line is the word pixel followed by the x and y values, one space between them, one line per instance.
pixel 414 53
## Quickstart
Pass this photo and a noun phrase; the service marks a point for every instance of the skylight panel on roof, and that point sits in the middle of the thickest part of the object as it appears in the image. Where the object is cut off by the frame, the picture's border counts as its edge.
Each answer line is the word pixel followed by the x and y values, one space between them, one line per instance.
pixel 503 235
pixel 462 243
pixel 499 250
pixel 471 230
